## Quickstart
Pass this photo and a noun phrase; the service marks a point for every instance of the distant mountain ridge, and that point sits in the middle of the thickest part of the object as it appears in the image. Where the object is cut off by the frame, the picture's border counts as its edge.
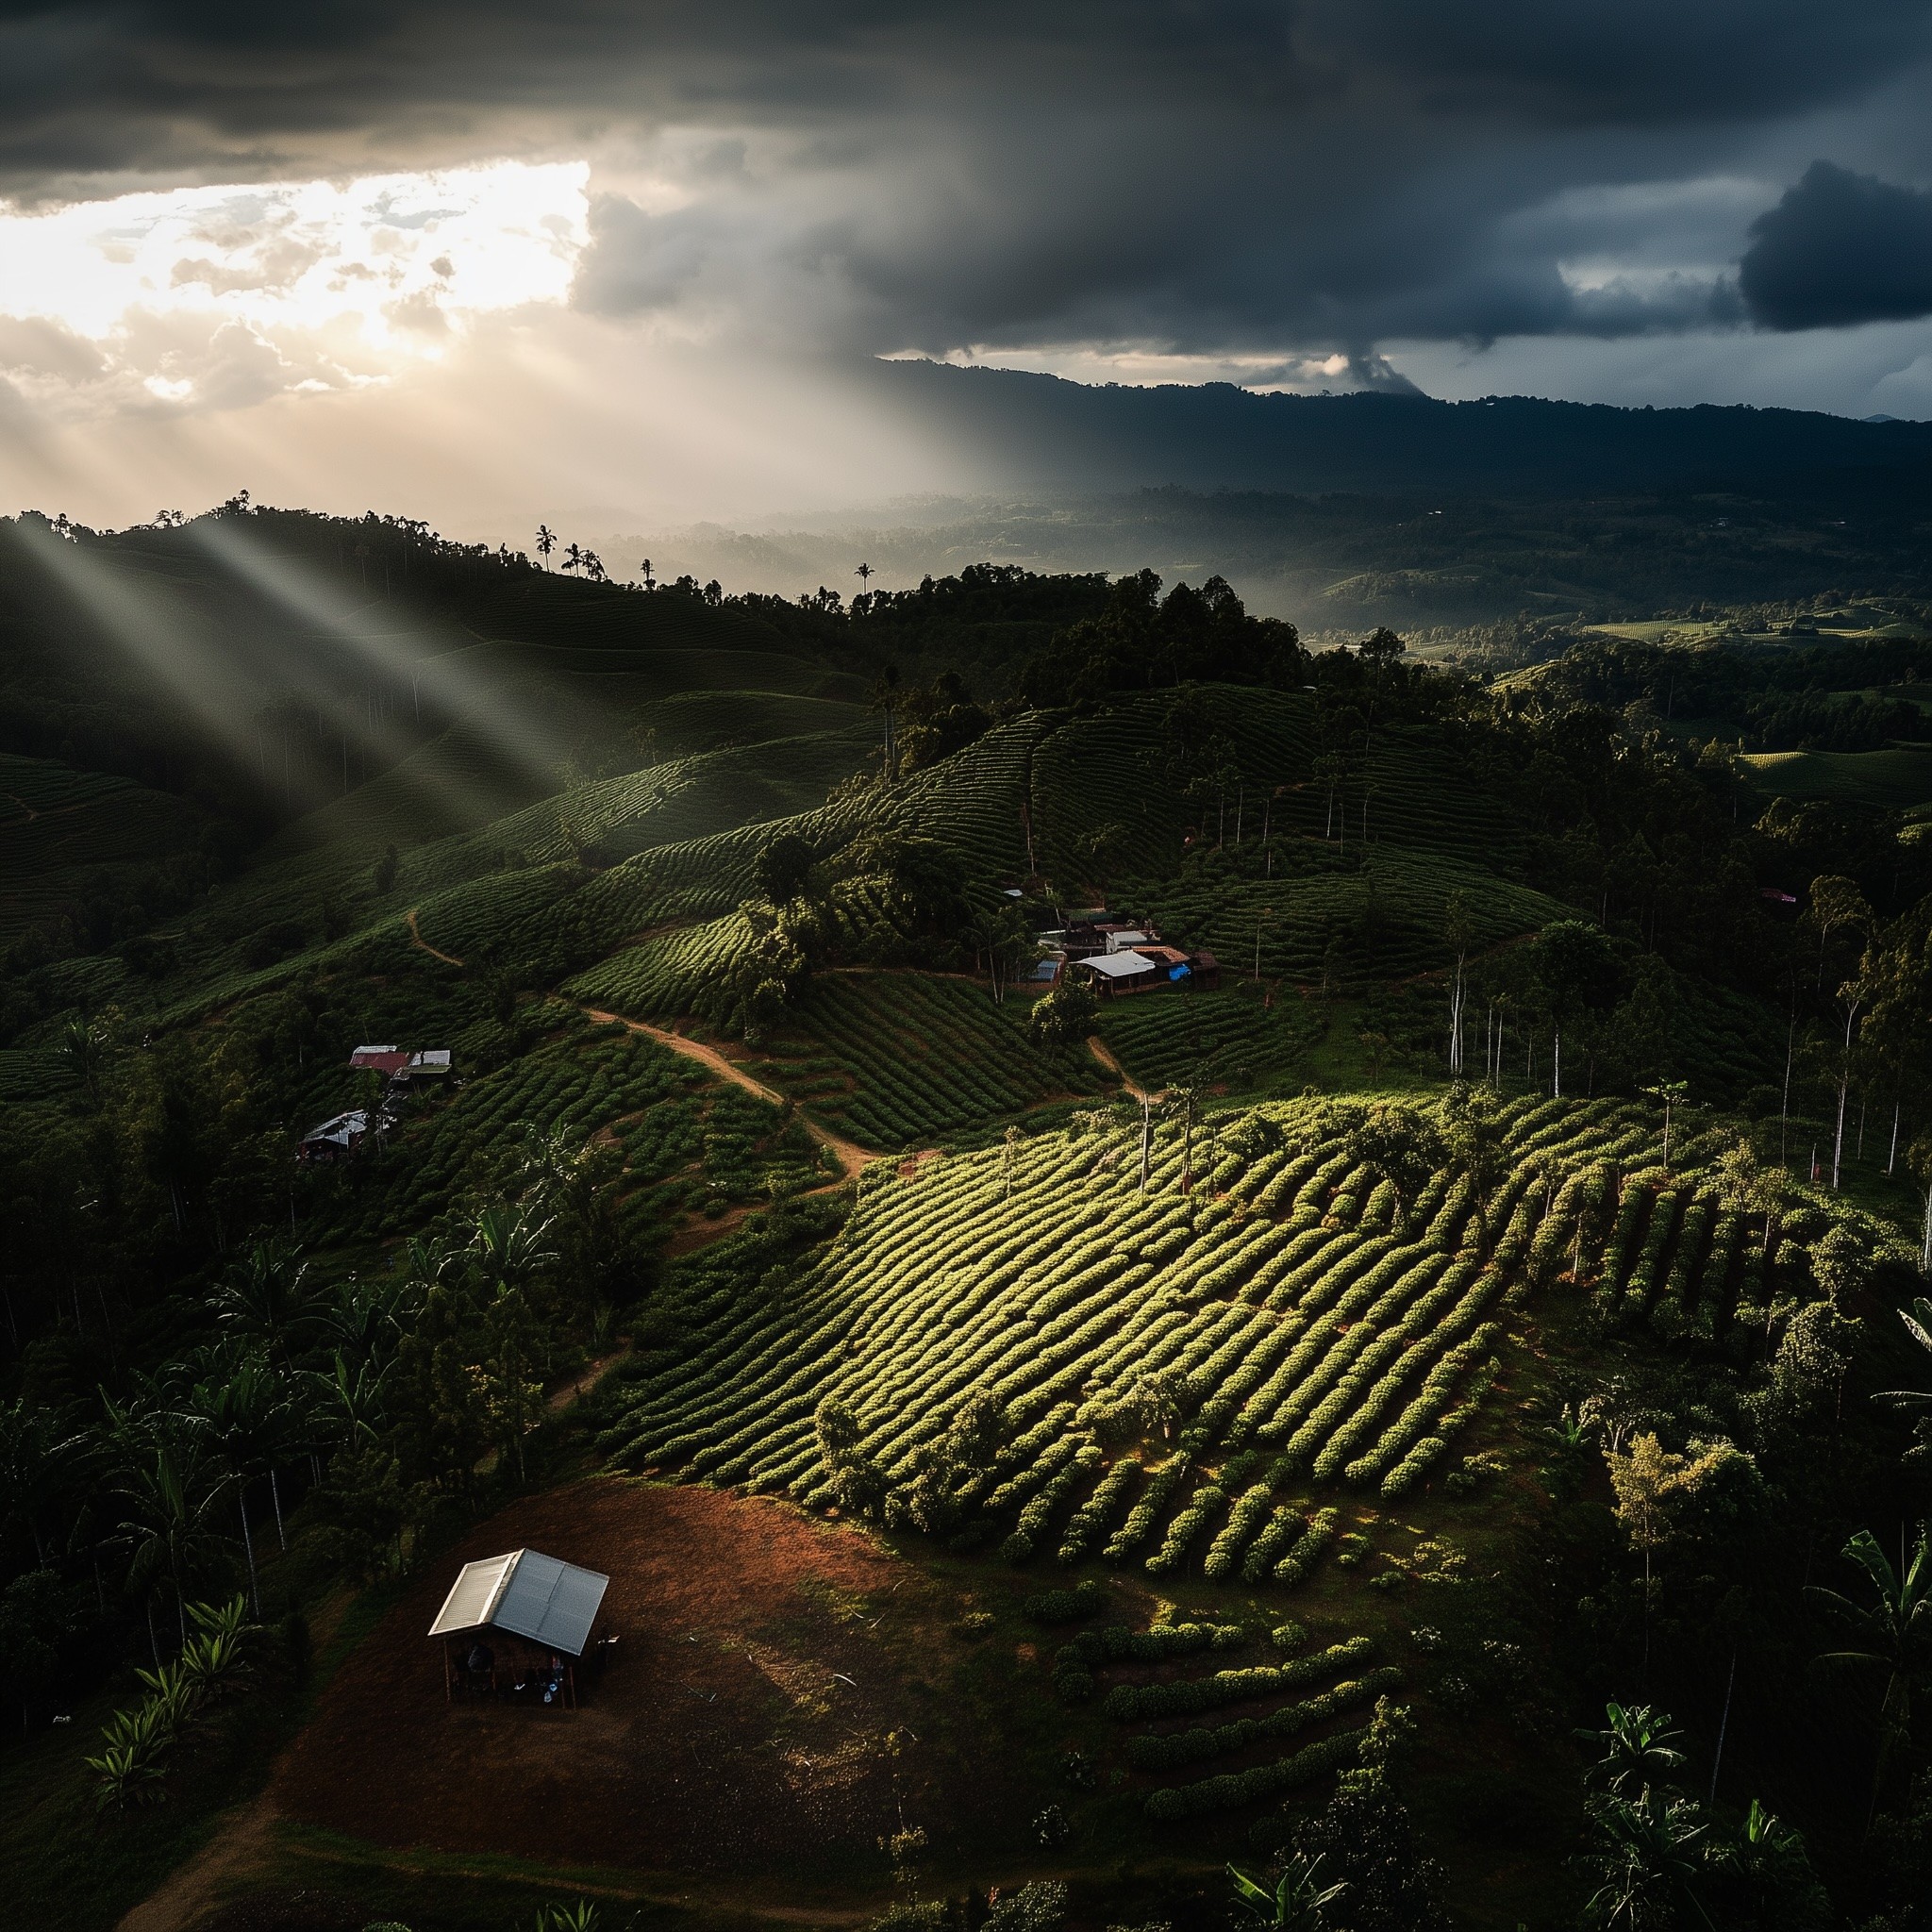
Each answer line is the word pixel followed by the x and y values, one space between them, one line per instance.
pixel 1045 432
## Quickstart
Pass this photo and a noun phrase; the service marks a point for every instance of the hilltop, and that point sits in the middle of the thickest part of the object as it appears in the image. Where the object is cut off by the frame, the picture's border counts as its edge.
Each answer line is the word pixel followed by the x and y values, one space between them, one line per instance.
pixel 1029 430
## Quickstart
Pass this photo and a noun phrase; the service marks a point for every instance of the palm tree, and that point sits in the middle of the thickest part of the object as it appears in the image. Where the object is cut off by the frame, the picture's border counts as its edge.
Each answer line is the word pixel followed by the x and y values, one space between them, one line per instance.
pixel 573 556
pixel 864 576
pixel 546 542
pixel 168 1500
pixel 241 1416
pixel 1299 1902
pixel 507 1244
pixel 1652 1855
pixel 31 1455
pixel 1890 1633
pixel 267 1297
pixel 351 1401
pixel 508 1249
pixel 364 1319
pixel 84 1046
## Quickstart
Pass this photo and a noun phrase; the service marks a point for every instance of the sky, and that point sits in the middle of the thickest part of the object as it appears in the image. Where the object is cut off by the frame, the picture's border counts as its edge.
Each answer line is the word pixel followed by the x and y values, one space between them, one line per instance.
pixel 622 259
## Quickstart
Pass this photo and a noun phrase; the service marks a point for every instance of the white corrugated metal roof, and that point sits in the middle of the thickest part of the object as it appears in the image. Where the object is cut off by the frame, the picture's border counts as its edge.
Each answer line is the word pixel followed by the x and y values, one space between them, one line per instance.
pixel 1120 941
pixel 473 1595
pixel 1120 965
pixel 529 1594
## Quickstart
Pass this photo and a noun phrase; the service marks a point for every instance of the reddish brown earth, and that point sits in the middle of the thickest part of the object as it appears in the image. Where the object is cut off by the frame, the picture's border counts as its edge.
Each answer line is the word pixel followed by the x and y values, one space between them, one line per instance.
pixel 778 1695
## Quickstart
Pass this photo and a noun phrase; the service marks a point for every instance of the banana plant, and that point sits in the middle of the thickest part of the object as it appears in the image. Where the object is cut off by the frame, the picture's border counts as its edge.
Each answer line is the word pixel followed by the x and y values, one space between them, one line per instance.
pixel 1891 1633
pixel 1299 1902
pixel 1638 1749
pixel 581 1917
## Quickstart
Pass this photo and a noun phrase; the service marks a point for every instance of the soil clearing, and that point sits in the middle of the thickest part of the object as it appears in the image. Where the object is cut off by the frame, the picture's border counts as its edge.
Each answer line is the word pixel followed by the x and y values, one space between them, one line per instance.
pixel 777 1695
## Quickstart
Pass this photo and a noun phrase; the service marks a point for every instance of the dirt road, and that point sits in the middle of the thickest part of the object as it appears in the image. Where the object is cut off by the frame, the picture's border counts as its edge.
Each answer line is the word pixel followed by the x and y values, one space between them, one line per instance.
pixel 416 939
pixel 852 1157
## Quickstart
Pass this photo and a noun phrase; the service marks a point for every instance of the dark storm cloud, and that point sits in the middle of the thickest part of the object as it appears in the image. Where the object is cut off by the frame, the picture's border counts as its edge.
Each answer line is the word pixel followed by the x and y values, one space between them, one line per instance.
pixel 1840 248
pixel 1216 175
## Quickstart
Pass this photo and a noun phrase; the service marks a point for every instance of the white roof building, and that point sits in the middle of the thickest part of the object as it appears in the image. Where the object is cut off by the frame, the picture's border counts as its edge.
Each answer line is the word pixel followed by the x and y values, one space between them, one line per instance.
pixel 341 1130
pixel 1120 965
pixel 530 1595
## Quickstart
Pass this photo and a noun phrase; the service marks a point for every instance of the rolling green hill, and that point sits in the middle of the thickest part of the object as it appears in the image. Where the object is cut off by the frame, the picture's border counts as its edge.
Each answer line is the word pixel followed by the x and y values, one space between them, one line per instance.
pixel 1896 777
pixel 1255 1371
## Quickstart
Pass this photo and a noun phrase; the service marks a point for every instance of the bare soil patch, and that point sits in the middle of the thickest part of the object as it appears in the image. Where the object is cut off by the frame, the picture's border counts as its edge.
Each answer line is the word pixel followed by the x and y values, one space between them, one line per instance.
pixel 778 1696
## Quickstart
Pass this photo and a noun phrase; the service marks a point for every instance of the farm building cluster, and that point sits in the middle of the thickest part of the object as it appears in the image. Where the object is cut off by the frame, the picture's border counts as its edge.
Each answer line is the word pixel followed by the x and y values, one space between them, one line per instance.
pixel 406 1072
pixel 1118 956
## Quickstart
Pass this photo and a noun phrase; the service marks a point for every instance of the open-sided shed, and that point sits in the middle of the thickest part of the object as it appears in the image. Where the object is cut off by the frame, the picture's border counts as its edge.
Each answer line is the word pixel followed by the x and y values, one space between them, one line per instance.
pixel 519 1621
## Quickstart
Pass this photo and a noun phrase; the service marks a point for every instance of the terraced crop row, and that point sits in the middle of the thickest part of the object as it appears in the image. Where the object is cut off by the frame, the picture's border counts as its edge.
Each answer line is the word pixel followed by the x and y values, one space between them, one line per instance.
pixel 1247 1708
pixel 1132 776
pixel 1418 795
pixel 894 1058
pixel 1167 1037
pixel 661 1112
pixel 1384 919
pixel 1294 1335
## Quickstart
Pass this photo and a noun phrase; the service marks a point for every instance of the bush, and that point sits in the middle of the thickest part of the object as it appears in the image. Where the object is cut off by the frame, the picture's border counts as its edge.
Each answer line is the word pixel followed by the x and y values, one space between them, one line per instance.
pixel 1308 1547
pixel 1074 1666
pixel 1065 1606
pixel 1041 1906
pixel 1410 1471
pixel 1184 1696
pixel 1237 1788
pixel 1050 1828
pixel 1243 1734
pixel 1064 1015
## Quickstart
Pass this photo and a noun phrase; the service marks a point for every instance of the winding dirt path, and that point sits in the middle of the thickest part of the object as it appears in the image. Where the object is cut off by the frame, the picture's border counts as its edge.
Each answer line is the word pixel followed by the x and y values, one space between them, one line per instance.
pixel 1101 1052
pixel 242 1843
pixel 416 939
pixel 852 1157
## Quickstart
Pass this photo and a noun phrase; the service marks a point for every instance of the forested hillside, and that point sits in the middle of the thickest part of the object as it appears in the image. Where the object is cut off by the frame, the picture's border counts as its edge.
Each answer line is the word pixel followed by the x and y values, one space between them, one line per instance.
pixel 1427 1403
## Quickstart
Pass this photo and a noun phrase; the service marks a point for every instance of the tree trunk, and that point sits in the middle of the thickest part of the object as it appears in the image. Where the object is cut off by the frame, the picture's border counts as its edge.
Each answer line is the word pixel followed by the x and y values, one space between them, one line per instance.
pixel 248 1546
pixel 1722 1725
pixel 274 1490
pixel 1784 1106
pixel 1844 1082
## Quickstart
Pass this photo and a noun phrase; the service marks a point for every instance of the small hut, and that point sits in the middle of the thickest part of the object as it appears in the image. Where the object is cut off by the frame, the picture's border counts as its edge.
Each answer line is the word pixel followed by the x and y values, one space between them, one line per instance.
pixel 519 1623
